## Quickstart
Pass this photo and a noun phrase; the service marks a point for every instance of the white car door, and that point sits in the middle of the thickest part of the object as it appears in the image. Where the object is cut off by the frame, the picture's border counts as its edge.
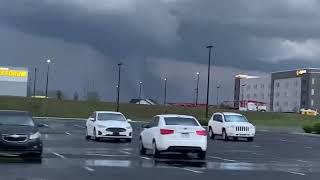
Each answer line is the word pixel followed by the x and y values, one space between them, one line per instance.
pixel 218 124
pixel 149 133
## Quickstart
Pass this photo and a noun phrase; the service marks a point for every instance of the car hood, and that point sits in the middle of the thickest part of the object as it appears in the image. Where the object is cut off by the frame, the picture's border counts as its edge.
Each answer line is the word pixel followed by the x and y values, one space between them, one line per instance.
pixel 13 129
pixel 110 123
pixel 239 124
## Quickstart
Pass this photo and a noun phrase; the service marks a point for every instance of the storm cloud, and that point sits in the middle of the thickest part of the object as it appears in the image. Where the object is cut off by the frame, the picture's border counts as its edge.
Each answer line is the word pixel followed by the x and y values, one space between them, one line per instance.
pixel 157 39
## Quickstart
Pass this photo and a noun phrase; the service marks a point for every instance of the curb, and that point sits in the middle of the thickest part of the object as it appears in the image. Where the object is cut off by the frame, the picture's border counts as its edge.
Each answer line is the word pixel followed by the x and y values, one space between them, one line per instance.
pixel 80 119
pixel 306 134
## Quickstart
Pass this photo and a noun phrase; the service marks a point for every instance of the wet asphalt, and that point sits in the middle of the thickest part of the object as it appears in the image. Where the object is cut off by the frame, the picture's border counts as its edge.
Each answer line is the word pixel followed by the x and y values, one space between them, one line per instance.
pixel 68 155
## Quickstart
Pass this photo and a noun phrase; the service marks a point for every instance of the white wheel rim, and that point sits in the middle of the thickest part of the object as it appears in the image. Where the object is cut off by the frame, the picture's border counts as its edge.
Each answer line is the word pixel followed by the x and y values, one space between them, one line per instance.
pixel 154 148
pixel 224 134
pixel 211 133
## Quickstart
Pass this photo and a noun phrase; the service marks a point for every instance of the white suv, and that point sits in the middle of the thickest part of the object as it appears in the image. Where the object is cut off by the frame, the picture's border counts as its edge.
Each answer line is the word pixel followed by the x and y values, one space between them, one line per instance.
pixel 232 125
pixel 174 133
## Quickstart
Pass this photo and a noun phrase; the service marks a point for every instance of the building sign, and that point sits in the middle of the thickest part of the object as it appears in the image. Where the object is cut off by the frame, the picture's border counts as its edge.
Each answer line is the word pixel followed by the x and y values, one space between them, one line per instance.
pixel 301 72
pixel 13 73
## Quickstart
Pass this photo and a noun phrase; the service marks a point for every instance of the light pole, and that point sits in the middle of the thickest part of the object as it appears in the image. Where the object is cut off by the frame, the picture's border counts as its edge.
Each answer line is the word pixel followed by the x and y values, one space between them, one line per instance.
pixel 140 85
pixel 197 88
pixel 165 91
pixel 208 82
pixel 218 86
pixel 47 84
pixel 34 82
pixel 118 89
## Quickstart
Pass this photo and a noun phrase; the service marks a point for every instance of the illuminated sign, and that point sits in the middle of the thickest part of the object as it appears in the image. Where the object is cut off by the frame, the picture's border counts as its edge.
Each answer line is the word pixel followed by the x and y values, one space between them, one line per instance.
pixel 301 72
pixel 13 73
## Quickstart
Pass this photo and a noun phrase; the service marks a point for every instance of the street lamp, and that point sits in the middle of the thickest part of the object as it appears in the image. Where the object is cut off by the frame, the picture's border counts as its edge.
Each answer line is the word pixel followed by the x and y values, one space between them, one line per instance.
pixel 197 88
pixel 165 91
pixel 47 84
pixel 140 85
pixel 208 82
pixel 118 89
pixel 218 86
pixel 34 82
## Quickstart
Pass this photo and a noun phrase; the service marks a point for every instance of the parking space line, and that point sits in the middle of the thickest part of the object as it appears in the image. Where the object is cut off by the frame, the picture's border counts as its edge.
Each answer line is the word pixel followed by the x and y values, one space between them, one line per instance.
pixel 107 155
pixel 215 157
pixel 284 140
pixel 308 147
pixel 258 154
pixel 302 161
pixel 191 170
pixel 59 155
pixel 145 158
pixel 256 146
pixel 89 169
pixel 79 126
pixel 125 152
pixel 296 173
pixel 67 133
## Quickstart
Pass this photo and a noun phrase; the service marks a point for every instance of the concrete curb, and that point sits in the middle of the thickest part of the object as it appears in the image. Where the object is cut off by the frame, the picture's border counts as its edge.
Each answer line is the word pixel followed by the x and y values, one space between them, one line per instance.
pixel 79 119
pixel 306 134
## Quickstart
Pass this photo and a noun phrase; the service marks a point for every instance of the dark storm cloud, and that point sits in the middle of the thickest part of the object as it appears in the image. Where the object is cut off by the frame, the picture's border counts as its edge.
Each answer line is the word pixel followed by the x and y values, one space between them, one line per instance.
pixel 251 35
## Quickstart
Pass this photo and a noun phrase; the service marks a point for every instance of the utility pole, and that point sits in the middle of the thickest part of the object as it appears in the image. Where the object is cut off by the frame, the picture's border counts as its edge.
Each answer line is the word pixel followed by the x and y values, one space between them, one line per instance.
pixel 208 82
pixel 118 89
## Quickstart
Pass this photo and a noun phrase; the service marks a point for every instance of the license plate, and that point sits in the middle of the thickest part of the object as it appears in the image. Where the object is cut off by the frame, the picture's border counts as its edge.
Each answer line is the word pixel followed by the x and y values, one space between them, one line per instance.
pixel 185 135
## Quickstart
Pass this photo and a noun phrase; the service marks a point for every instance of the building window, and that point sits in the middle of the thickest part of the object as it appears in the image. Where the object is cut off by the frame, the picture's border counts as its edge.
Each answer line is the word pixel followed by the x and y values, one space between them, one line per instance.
pixel 254 95
pixel 262 96
pixel 262 86
pixel 277 94
pixel 285 94
pixel 296 83
pixel 255 86
pixel 312 91
pixel 312 80
pixel 311 102
pixel 277 84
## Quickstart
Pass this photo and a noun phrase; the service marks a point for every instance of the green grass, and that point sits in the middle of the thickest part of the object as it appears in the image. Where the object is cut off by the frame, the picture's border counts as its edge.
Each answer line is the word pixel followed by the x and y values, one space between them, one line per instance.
pixel 80 109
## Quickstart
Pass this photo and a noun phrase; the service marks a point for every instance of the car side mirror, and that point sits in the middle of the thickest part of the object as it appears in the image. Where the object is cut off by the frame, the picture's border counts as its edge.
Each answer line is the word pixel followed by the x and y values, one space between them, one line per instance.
pixel 129 120
pixel 91 119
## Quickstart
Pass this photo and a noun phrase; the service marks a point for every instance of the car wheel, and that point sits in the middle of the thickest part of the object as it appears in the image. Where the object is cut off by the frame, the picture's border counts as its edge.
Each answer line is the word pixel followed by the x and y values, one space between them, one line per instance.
pixel 211 134
pixel 155 151
pixel 250 139
pixel 87 136
pixel 224 135
pixel 202 155
pixel 95 135
pixel 236 138
pixel 142 149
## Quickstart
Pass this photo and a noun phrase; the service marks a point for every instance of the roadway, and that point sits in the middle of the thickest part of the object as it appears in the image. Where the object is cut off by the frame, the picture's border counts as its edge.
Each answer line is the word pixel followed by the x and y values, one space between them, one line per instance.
pixel 67 155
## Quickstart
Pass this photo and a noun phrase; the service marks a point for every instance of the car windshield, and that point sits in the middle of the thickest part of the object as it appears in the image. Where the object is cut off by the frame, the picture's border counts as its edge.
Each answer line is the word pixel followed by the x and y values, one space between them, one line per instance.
pixel 110 116
pixel 20 120
pixel 235 118
pixel 181 121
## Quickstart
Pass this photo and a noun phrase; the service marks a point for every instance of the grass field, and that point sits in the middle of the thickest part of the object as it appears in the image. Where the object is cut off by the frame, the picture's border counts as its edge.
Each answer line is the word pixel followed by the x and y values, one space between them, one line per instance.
pixel 80 109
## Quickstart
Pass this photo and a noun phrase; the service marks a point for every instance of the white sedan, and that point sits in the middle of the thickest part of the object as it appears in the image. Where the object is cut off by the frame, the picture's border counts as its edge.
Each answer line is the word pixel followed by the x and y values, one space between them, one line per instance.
pixel 230 125
pixel 174 133
pixel 107 124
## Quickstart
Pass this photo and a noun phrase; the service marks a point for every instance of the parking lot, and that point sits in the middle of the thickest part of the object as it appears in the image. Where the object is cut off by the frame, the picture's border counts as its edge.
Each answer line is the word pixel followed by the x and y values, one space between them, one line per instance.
pixel 67 155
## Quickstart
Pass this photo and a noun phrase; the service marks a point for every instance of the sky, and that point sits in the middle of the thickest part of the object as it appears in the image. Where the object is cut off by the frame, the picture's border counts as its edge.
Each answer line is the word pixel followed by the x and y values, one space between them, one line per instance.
pixel 157 39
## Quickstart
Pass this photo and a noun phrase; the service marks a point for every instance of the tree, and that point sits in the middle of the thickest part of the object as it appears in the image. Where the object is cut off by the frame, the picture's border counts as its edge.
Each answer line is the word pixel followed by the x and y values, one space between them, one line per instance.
pixel 76 96
pixel 59 94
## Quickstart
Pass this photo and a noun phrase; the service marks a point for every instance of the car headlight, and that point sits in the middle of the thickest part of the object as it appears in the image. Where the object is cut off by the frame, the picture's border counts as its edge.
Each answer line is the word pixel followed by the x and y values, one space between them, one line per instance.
pixel 36 135
pixel 128 127
pixel 101 126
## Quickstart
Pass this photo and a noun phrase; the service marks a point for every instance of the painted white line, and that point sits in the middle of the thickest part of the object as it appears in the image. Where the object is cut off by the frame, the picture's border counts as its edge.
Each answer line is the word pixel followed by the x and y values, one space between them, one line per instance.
pixel 263 130
pixel 308 147
pixel 89 169
pixel 125 152
pixel 296 173
pixel 107 155
pixel 191 170
pixel 284 140
pixel 67 133
pixel 256 146
pixel 302 161
pixel 145 158
pixel 258 154
pixel 215 157
pixel 45 125
pixel 59 155
pixel 79 126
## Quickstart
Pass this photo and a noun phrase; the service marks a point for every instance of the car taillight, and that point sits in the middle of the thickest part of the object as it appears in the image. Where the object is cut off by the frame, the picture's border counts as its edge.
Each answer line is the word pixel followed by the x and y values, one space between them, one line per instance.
pixel 166 131
pixel 201 133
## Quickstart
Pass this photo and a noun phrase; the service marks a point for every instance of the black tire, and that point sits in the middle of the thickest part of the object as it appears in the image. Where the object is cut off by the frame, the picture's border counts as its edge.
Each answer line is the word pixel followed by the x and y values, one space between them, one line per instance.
pixel 142 149
pixel 211 134
pixel 155 151
pixel 87 136
pixel 95 135
pixel 250 139
pixel 225 135
pixel 202 155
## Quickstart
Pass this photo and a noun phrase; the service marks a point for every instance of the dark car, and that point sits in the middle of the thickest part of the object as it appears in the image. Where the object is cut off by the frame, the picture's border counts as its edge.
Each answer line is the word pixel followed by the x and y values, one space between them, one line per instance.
pixel 19 135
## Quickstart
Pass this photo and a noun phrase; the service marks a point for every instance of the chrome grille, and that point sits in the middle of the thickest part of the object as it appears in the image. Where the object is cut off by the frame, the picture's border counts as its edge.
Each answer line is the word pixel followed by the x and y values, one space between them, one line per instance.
pixel 15 138
pixel 116 130
pixel 242 128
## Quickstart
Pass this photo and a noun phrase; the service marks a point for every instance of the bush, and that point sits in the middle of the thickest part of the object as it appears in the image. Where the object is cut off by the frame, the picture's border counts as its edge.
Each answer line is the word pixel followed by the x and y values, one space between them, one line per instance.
pixel 316 128
pixel 307 128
